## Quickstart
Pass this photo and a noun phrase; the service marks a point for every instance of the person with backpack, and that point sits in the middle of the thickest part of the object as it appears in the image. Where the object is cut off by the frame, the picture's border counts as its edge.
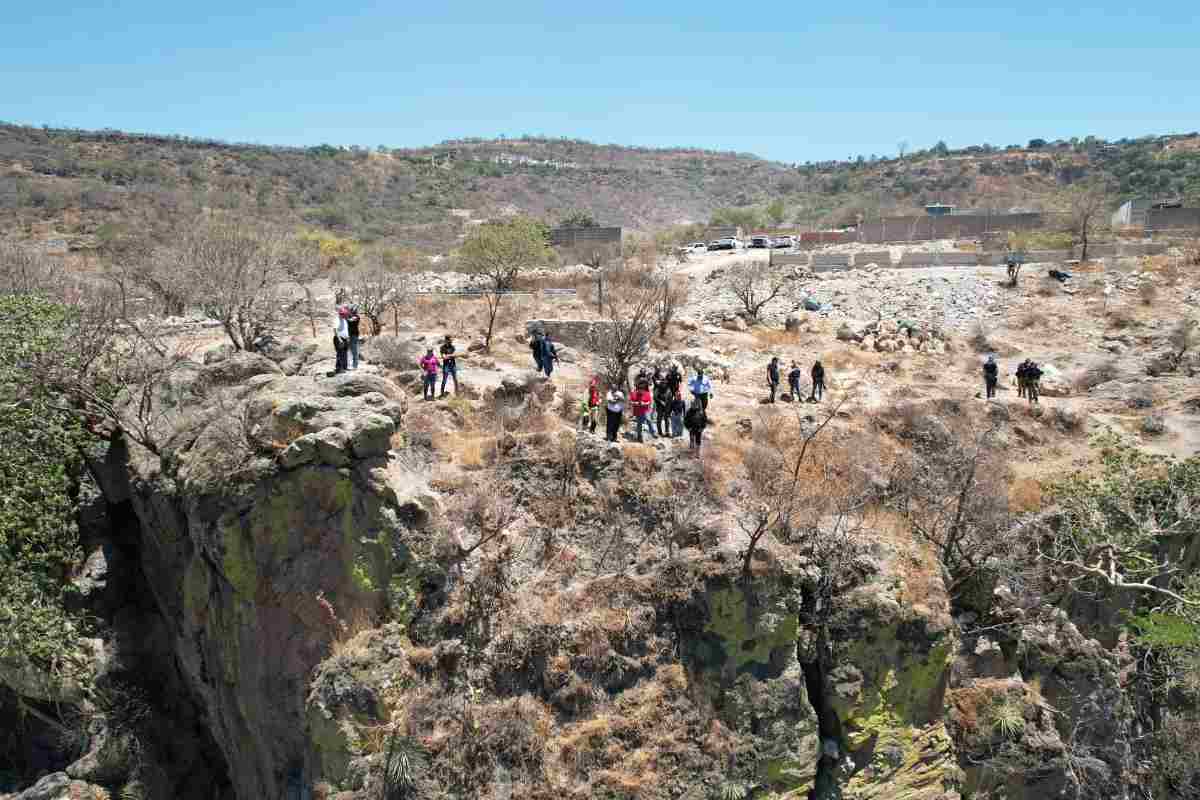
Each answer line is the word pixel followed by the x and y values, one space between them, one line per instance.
pixel 640 402
pixel 614 406
pixel 773 377
pixel 429 371
pixel 678 407
pixel 352 321
pixel 449 363
pixel 991 374
pixel 794 381
pixel 341 339
pixel 695 421
pixel 701 388
pixel 549 355
pixel 674 379
pixel 818 382
pixel 662 407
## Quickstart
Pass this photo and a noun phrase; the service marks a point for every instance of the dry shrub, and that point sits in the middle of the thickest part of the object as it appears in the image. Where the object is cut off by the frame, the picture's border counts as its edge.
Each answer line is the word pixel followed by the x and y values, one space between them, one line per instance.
pixel 1025 496
pixel 1097 374
pixel 1033 319
pixel 641 458
pixel 1120 318
pixel 350 638
pixel 769 338
pixel 979 338
pixel 1049 287
pixel 475 452
pixel 1148 292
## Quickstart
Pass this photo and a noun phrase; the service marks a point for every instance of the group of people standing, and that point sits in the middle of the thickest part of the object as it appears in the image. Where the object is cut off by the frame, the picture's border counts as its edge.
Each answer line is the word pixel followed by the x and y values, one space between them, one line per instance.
pixel 430 363
pixel 656 404
pixel 1029 375
pixel 545 354
pixel 817 373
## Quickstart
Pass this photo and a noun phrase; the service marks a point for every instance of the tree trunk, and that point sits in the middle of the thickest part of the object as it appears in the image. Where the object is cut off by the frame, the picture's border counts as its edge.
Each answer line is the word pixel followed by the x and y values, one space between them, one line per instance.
pixel 1083 253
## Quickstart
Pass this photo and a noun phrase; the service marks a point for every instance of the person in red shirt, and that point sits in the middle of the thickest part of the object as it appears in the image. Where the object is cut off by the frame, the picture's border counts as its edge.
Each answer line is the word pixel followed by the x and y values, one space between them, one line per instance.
pixel 640 401
pixel 593 402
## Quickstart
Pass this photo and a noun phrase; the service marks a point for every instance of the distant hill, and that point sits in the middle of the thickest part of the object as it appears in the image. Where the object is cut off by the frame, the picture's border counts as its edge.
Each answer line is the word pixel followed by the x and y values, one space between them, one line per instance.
pixel 67 183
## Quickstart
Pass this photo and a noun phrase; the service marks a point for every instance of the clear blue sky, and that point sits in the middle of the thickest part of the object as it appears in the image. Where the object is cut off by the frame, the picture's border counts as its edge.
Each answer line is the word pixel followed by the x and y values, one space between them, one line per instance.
pixel 788 81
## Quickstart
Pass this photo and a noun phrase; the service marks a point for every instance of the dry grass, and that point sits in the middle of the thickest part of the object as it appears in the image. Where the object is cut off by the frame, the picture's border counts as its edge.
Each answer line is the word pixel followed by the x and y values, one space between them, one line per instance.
pixel 351 635
pixel 641 458
pixel 1049 287
pixel 770 338
pixel 1033 319
pixel 1025 496
pixel 1120 318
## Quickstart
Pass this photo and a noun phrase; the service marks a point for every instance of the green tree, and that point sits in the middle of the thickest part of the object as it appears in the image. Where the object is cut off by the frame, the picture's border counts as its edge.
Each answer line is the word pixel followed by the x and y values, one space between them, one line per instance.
pixel 776 211
pixel 496 252
pixel 41 439
pixel 578 219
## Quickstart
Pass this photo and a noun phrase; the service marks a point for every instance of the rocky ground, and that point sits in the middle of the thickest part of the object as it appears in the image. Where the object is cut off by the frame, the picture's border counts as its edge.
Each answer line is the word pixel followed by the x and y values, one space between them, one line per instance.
pixel 353 589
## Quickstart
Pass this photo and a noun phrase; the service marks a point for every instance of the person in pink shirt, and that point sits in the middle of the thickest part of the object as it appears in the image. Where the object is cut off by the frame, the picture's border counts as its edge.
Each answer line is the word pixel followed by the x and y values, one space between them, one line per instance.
pixel 429 370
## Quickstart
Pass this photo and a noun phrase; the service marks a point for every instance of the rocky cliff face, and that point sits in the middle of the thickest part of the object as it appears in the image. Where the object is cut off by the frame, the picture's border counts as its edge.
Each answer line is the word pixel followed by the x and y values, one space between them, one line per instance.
pixel 272 519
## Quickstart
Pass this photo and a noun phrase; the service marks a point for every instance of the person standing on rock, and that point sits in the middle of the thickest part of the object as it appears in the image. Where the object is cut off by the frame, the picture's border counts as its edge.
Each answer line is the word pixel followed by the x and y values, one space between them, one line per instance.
pixel 449 363
pixel 341 339
pixel 695 421
pixel 640 402
pixel 614 406
pixel 701 388
pixel 1022 368
pixel 549 355
pixel 352 322
pixel 662 407
pixel 991 374
pixel 678 407
pixel 794 381
pixel 773 376
pixel 818 382
pixel 429 371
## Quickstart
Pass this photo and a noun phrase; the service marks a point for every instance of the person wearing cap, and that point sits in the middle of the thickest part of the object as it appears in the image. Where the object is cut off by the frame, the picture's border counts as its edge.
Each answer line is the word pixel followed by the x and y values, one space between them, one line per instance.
pixel 352 320
pixel 341 339
pixel 449 364
pixel 615 410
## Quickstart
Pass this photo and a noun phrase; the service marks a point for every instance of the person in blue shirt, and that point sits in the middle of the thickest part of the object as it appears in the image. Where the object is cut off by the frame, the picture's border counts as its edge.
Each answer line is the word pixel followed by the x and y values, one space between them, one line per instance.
pixel 701 388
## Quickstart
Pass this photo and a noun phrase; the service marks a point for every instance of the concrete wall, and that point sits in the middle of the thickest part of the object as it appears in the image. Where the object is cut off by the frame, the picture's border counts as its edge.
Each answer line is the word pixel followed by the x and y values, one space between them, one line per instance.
pixel 573 237
pixel 1133 249
pixel 838 260
pixel 1163 219
pixel 789 259
pixel 925 228
pixel 939 260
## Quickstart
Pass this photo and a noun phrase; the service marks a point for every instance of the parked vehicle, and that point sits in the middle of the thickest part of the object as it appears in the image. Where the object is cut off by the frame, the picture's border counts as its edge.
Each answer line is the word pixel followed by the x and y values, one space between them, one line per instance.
pixel 725 243
pixel 715 244
pixel 760 241
pixel 697 247
pixel 783 242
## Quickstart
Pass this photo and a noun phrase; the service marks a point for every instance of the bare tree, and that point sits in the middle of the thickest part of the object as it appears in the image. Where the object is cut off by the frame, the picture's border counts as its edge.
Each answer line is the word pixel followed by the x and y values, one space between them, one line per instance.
pixel 1088 201
pixel 754 287
pixel 238 271
pixel 623 337
pixel 902 148
pixel 26 271
pixel 497 252
pixel 955 497
pixel 672 295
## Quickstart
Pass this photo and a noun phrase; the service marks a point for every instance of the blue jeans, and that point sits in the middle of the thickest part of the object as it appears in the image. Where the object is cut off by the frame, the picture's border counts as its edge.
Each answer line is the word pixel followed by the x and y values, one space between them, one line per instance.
pixel 645 420
pixel 677 424
pixel 430 385
pixel 449 370
pixel 339 362
pixel 353 352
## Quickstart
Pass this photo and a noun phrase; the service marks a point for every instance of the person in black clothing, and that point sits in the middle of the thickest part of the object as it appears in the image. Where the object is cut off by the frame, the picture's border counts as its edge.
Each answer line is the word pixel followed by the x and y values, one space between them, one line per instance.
pixel 773 376
pixel 674 379
pixel 1032 375
pixel 352 320
pixel 991 373
pixel 549 355
pixel 449 363
pixel 695 420
pixel 794 381
pixel 818 382
pixel 662 407
pixel 535 347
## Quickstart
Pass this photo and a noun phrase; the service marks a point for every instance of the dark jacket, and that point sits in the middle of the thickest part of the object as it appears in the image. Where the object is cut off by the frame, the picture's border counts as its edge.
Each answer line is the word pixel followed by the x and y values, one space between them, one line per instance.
pixel 448 350
pixel 548 352
pixel 990 370
pixel 795 375
pixel 674 379
pixel 678 406
pixel 773 372
pixel 662 397
pixel 818 373
pixel 352 323
pixel 535 347
pixel 695 419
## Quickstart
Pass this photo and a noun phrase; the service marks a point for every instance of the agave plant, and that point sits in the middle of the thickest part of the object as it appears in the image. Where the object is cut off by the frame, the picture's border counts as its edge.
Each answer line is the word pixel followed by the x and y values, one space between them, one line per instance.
pixel 403 765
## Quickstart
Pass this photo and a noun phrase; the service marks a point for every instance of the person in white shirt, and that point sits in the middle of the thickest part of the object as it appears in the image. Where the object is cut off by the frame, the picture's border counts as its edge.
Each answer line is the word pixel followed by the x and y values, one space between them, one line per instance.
pixel 341 339
pixel 614 406
pixel 701 388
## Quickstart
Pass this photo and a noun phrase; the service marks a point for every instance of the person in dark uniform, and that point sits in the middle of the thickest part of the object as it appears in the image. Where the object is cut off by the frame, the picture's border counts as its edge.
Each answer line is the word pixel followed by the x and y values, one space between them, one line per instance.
pixel 818 382
pixel 449 363
pixel 991 374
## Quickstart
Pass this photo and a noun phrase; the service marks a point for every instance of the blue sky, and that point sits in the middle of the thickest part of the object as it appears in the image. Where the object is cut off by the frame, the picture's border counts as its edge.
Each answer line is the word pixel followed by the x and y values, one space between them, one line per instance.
pixel 782 80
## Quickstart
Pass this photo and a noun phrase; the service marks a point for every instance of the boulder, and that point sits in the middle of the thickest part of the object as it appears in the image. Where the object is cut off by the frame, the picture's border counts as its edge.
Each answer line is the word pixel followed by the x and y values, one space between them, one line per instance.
pixel 1154 425
pixel 333 447
pixel 736 324
pixel 792 323
pixel 1053 382
pixel 372 435
pixel 847 333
